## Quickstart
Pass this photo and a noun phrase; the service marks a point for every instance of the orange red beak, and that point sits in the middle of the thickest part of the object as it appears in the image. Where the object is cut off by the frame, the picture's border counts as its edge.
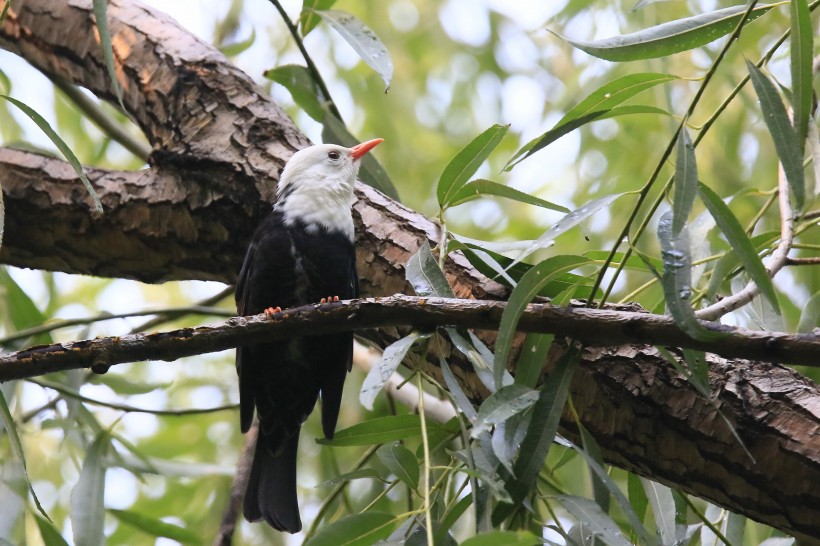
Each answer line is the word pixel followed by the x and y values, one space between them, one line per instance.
pixel 360 149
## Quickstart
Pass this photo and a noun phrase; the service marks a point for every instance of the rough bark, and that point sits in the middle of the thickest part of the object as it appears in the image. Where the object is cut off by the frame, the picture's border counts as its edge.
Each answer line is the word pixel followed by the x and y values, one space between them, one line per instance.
pixel 218 143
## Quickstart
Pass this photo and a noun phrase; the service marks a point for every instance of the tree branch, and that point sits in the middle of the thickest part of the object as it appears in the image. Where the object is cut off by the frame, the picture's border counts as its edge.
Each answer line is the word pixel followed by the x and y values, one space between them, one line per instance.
pixel 594 328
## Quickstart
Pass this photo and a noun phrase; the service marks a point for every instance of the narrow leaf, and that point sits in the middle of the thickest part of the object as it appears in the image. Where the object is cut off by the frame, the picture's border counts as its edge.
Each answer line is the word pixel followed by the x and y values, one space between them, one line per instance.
pixel 381 373
pixel 528 287
pixel 235 48
pixel 427 278
pixel 456 391
pixel 101 19
pixel 637 496
pixel 594 520
pixel 477 188
pixel 595 463
pixel 62 146
pixel 356 530
pixel 668 38
pixel 6 6
pixel 686 182
pixel 810 315
pixel 466 162
pixel 677 279
pixel 663 507
pixel 600 104
pixel 380 431
pixel 503 538
pixel 592 453
pixel 400 461
pixel 371 172
pixel 302 87
pixel 802 47
pixel 87 496
pixel 501 405
pixel 354 475
pixel 566 223
pixel 308 19
pixel 532 358
pixel 480 362
pixel 50 535
pixel 156 527
pixel 740 243
pixel 546 413
pixel 363 40
pixel 785 138
pixel 17 448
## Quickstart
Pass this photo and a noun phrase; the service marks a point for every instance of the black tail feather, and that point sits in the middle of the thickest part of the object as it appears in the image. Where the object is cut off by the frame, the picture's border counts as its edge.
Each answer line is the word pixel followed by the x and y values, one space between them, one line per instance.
pixel 271 490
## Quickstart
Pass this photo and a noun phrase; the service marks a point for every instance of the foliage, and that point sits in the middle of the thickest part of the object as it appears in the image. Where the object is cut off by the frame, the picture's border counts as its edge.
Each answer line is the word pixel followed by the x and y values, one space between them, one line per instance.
pixel 487 108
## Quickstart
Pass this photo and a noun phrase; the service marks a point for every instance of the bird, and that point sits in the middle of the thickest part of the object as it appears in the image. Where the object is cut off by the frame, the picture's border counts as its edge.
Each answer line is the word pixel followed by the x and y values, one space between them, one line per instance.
pixel 303 252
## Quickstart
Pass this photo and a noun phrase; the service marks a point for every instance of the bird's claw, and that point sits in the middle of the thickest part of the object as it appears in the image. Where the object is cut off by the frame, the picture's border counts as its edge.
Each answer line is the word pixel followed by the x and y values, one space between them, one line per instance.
pixel 329 299
pixel 270 311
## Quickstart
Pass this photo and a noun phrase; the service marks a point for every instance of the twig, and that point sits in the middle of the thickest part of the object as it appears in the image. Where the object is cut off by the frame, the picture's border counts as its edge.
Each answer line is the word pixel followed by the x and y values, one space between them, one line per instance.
pixel 777 261
pixel 314 72
pixel 71 393
pixel 803 261
pixel 239 484
pixel 594 327
pixel 425 470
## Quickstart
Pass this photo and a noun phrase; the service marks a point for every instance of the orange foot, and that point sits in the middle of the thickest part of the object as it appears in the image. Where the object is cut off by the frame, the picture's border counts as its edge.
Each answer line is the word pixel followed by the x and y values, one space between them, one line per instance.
pixel 329 299
pixel 270 311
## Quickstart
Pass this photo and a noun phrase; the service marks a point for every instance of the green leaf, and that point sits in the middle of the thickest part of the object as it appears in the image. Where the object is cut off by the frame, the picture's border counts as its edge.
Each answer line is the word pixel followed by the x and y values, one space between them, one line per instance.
pixel 466 162
pixel 663 507
pixel 632 262
pixel 452 516
pixel 101 19
pixel 600 104
pixel 370 172
pixel 234 49
pixel 501 405
pixel 637 496
pixel 503 538
pixel 677 279
pixel 308 19
pixel 400 461
pixel 546 414
pixel 810 315
pixel 568 222
pixel 390 361
pixel 785 138
pixel 380 431
pixel 594 520
pixel 363 40
pixel 476 188
pixel 22 311
pixel 17 448
pixel 740 243
pixel 531 360
pixel 356 530
pixel 302 87
pixel 5 82
pixel 156 527
pixel 592 456
pixel 87 496
pixel 50 535
pixel 62 146
pixel 802 47
pixel 462 402
pixel 528 287
pixel 592 453
pixel 668 38
pixel 468 345
pixel 686 182
pixel 427 278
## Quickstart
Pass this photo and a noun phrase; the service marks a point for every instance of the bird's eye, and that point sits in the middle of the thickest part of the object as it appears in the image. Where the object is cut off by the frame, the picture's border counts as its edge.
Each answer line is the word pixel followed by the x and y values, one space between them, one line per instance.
pixel 334 155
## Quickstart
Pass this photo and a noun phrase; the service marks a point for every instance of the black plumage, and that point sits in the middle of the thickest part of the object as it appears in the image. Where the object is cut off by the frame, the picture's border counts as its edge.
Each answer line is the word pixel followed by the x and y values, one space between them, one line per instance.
pixel 301 253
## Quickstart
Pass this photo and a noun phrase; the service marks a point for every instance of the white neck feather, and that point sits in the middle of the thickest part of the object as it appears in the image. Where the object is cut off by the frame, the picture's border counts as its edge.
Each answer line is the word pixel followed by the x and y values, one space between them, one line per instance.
pixel 323 202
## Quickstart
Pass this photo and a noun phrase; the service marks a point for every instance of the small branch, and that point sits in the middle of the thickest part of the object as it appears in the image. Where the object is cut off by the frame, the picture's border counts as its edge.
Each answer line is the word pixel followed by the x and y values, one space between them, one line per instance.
pixel 224 536
pixel 803 261
pixel 778 260
pixel 591 326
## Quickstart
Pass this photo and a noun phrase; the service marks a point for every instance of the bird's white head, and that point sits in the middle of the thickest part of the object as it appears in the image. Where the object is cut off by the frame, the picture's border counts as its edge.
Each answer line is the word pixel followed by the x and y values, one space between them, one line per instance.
pixel 316 186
